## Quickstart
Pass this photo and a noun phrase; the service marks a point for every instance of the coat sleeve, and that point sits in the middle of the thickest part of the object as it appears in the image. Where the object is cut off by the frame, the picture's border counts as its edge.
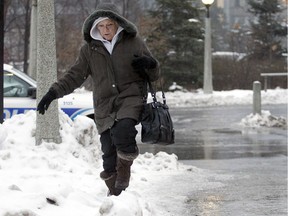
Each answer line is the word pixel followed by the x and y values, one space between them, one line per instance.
pixel 74 77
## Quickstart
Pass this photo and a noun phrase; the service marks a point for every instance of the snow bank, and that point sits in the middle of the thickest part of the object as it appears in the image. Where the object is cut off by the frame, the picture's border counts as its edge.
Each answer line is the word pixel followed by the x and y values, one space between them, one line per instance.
pixel 220 98
pixel 63 179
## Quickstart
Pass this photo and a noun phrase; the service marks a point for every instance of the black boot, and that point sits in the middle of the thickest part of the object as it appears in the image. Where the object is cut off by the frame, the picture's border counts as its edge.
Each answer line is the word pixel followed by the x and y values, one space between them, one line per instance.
pixel 124 163
pixel 110 179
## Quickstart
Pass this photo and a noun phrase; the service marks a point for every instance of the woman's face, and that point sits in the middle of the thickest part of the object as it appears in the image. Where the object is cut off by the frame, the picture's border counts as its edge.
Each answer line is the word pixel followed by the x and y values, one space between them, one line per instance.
pixel 107 29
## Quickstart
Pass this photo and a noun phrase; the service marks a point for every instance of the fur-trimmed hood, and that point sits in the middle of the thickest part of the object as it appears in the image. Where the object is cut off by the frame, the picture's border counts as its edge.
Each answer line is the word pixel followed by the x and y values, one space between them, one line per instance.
pixel 107 10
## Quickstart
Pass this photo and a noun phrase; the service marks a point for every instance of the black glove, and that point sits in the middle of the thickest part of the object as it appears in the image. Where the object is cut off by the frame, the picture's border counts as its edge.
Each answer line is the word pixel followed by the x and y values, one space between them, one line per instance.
pixel 46 101
pixel 141 63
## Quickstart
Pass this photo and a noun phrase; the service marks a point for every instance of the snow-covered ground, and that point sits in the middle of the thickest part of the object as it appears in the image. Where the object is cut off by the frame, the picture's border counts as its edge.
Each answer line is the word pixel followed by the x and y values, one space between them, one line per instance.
pixel 63 179
pixel 219 98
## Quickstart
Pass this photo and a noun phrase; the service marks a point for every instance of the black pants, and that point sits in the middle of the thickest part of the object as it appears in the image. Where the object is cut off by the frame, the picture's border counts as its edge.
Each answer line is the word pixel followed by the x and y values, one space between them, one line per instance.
pixel 121 137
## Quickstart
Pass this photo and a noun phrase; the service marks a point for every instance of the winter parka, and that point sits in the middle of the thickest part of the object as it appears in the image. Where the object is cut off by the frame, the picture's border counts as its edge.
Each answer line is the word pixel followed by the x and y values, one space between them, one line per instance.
pixel 117 89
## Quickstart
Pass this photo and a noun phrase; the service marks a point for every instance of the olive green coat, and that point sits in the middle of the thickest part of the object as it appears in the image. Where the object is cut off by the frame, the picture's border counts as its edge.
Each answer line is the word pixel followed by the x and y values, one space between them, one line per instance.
pixel 117 89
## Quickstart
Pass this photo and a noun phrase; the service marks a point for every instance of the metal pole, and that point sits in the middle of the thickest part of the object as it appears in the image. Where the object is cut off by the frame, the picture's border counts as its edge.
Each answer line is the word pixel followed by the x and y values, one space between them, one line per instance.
pixel 1 59
pixel 256 97
pixel 265 83
pixel 208 86
pixel 32 69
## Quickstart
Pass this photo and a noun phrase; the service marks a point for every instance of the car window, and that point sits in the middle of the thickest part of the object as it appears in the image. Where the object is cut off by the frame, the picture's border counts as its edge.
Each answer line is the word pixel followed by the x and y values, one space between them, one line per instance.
pixel 14 86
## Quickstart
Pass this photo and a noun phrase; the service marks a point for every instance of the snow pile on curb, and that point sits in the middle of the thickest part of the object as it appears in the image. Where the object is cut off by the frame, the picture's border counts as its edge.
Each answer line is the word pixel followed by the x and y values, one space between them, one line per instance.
pixel 264 120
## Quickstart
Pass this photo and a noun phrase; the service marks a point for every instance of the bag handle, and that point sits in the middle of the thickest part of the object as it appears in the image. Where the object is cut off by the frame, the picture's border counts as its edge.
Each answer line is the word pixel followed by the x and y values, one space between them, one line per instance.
pixel 152 91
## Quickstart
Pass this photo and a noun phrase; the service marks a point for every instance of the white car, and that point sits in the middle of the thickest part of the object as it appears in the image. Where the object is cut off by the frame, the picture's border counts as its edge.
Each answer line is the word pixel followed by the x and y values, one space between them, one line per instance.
pixel 20 96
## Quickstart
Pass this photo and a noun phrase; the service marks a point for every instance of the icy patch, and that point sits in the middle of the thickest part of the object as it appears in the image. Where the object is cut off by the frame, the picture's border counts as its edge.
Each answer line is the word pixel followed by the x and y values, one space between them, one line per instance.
pixel 264 120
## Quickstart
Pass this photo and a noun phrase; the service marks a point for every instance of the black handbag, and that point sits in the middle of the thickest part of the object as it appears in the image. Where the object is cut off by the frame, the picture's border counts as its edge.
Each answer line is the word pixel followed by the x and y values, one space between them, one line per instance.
pixel 157 125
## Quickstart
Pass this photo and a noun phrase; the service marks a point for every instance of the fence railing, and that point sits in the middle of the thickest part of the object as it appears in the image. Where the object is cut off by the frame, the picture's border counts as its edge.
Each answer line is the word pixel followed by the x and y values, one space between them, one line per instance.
pixel 267 75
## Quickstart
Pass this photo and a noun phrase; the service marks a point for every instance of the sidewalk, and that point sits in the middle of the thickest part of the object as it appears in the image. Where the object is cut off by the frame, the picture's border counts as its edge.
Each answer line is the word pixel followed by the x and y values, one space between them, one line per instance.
pixel 257 187
pixel 248 166
pixel 215 133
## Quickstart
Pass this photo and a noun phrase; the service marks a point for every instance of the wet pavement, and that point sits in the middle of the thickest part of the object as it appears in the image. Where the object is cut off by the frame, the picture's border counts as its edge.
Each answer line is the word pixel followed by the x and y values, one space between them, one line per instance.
pixel 254 160
pixel 256 187
pixel 215 133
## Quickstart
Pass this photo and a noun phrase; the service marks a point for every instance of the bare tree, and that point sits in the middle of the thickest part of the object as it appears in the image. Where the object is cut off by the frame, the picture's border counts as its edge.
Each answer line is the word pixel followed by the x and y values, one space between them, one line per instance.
pixel 17 24
pixel 6 6
pixel 26 34
pixel 70 15
pixel 131 9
